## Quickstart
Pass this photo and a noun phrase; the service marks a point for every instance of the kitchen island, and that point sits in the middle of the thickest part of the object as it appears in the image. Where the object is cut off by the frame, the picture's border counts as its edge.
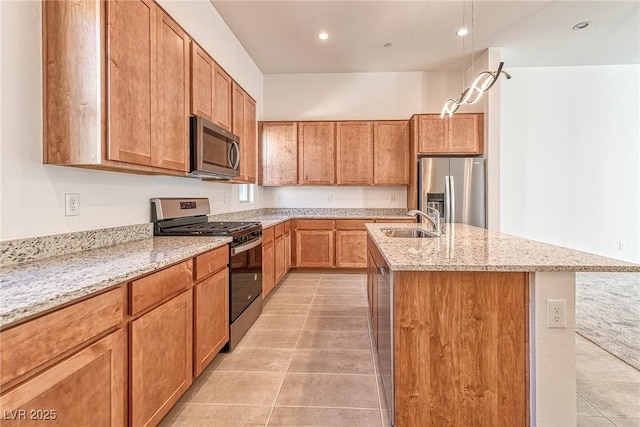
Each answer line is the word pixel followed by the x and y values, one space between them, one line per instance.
pixel 461 326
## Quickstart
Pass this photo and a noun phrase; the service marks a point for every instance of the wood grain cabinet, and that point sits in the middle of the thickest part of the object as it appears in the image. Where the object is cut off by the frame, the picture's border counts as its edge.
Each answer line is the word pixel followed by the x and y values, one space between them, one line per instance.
pixel 459 134
pixel 203 69
pixel 244 125
pixel 314 243
pixel 122 101
pixel 354 147
pixel 316 153
pixel 278 153
pixel 222 93
pixel 287 246
pixel 391 152
pixel 268 261
pixel 279 253
pixel 351 243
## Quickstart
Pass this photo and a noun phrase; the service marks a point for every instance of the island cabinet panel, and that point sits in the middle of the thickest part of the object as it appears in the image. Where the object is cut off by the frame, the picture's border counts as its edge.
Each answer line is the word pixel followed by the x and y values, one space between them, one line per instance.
pixel 88 388
pixel 161 359
pixel 391 153
pixel 203 69
pixel 278 153
pixel 470 332
pixel 211 328
pixel 316 153
pixel 354 147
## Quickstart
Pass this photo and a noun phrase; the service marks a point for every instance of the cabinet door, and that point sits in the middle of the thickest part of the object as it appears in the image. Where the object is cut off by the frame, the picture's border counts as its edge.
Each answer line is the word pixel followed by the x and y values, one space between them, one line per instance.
pixel 287 252
pixel 354 145
pixel 202 71
pixel 222 98
pixel 85 389
pixel 279 255
pixel 237 123
pixel 250 143
pixel 173 91
pixel 211 303
pixel 466 134
pixel 316 153
pixel 314 248
pixel 279 153
pixel 161 359
pixel 432 134
pixel 391 153
pixel 351 248
pixel 268 269
pixel 131 32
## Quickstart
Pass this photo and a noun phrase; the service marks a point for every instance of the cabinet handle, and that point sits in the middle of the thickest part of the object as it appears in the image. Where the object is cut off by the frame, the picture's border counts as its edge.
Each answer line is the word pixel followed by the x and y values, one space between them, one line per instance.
pixel 382 271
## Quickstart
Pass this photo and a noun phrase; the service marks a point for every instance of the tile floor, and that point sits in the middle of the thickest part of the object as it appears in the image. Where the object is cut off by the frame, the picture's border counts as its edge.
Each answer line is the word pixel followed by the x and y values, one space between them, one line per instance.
pixel 309 361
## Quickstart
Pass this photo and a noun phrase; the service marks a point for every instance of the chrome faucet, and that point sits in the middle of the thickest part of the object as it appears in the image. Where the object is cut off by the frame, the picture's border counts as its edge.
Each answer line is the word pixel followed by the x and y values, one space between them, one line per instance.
pixel 433 219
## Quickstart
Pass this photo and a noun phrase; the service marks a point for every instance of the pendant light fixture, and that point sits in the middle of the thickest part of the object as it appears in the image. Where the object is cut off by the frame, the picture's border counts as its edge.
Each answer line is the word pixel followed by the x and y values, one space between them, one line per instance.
pixel 481 83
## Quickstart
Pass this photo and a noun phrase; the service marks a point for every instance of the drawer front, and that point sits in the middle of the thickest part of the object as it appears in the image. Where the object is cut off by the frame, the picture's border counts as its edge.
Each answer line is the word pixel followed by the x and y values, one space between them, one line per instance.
pixel 267 235
pixel 40 340
pixel 352 224
pixel 279 229
pixel 314 224
pixel 157 286
pixel 211 261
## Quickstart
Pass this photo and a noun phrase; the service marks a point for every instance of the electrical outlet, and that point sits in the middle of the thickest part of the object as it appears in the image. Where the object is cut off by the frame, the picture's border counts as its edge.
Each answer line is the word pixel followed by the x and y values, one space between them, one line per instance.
pixel 621 245
pixel 556 313
pixel 226 197
pixel 329 198
pixel 392 198
pixel 71 204
pixel 280 197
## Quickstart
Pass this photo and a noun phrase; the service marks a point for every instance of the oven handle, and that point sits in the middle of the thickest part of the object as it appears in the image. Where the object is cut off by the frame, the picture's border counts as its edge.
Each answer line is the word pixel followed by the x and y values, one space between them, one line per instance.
pixel 246 247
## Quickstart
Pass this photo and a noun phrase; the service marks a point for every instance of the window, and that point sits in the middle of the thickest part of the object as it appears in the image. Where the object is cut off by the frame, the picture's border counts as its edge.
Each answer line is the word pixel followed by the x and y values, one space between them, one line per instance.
pixel 245 193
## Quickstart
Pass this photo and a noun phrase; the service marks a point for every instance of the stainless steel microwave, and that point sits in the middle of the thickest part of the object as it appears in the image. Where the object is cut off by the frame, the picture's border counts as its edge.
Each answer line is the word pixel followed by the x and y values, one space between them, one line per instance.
pixel 215 152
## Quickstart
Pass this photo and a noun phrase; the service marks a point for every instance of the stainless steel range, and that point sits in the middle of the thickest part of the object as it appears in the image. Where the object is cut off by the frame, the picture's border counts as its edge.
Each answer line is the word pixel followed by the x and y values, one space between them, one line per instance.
pixel 188 217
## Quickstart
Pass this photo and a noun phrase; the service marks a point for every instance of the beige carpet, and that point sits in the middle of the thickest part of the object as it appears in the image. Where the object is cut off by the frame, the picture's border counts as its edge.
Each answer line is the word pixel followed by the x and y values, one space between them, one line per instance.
pixel 608 312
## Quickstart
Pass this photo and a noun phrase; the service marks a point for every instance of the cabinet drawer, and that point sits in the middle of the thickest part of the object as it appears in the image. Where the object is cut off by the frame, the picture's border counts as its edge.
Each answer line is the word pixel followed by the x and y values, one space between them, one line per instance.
pixel 211 261
pixel 351 224
pixel 267 235
pixel 279 230
pixel 314 224
pixel 157 286
pixel 43 339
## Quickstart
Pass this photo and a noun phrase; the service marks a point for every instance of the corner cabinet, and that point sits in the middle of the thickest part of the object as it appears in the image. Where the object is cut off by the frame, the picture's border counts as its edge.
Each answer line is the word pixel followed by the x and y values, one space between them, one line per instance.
pixel 103 103
pixel 459 134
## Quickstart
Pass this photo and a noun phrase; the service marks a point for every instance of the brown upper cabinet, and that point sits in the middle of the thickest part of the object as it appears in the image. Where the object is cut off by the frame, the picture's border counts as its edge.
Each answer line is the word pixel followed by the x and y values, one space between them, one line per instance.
pixel 244 125
pixel 459 134
pixel 222 98
pixel 354 145
pixel 211 89
pixel 316 153
pixel 278 153
pixel 391 153
pixel 103 103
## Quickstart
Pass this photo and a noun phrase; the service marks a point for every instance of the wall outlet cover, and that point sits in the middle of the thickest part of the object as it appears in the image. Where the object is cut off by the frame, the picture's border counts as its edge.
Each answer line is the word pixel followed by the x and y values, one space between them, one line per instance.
pixel 556 313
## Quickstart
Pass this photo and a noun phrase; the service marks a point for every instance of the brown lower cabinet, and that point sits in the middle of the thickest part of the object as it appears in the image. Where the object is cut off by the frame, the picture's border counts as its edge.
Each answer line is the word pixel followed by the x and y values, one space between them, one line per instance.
pixel 268 268
pixel 276 255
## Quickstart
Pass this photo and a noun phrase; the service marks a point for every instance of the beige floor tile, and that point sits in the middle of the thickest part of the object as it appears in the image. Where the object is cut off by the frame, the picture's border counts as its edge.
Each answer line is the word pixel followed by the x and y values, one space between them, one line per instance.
pixel 344 276
pixel 277 308
pixel 338 310
pixel 332 361
pixel 240 388
pixel 210 415
pixel 605 368
pixel 340 391
pixel 327 323
pixel 271 338
pixel 585 409
pixel 295 290
pixel 289 299
pixel 342 284
pixel 344 301
pixel 626 422
pixel 612 399
pixel 335 290
pixel 280 321
pixel 297 275
pixel 593 422
pixel 324 417
pixel 587 348
pixel 386 419
pixel 256 359
pixel 298 283
pixel 334 339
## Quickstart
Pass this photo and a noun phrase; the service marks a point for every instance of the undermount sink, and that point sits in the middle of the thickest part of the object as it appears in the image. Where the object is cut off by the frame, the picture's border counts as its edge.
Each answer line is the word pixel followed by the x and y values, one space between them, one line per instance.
pixel 407 232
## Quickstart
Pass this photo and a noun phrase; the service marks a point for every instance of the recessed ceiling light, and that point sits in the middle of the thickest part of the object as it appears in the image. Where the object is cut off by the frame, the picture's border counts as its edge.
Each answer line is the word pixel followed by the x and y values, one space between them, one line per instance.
pixel 581 25
pixel 323 36
pixel 462 32
pixel 388 45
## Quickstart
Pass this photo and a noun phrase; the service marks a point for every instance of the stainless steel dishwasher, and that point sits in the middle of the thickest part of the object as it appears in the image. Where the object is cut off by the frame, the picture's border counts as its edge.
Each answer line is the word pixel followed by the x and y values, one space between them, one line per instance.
pixel 385 331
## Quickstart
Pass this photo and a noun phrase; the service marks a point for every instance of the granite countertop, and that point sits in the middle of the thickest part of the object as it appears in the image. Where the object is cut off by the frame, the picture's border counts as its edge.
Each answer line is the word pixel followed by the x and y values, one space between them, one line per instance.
pixel 271 220
pixel 30 288
pixel 468 248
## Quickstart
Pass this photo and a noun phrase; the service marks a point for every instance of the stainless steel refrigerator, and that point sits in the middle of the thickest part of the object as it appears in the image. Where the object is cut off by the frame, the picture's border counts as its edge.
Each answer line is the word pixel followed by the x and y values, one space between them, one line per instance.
pixel 455 186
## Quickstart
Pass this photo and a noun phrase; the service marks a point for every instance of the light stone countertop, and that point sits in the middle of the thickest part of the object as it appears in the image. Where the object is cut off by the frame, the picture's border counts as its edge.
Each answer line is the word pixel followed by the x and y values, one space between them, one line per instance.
pixel 468 248
pixel 271 220
pixel 30 288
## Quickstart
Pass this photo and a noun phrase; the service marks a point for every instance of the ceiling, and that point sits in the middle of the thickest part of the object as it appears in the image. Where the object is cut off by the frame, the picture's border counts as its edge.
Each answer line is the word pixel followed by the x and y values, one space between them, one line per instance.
pixel 281 36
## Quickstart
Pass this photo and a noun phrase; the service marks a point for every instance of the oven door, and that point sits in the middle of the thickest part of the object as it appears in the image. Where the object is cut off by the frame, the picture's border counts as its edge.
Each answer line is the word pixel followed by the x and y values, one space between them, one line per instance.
pixel 246 276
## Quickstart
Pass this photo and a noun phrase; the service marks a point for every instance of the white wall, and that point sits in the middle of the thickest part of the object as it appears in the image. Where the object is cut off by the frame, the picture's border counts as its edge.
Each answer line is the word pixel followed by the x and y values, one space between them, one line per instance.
pixel 335 197
pixel 570 157
pixel 32 195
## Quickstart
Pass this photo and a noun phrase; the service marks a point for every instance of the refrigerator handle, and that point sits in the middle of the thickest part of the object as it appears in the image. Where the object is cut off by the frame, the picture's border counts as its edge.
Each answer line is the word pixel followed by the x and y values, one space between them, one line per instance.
pixel 447 200
pixel 452 199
